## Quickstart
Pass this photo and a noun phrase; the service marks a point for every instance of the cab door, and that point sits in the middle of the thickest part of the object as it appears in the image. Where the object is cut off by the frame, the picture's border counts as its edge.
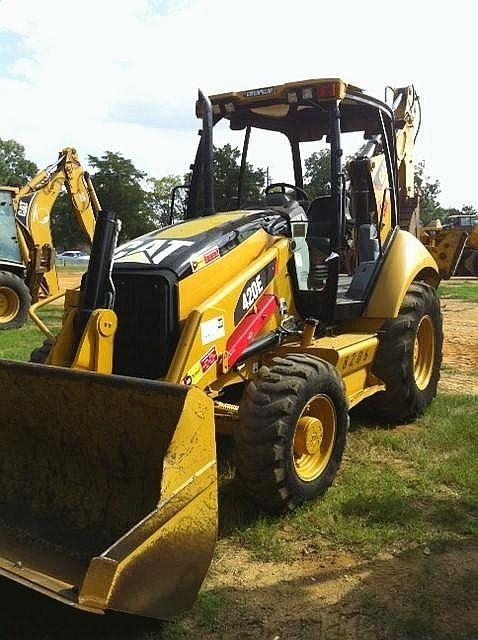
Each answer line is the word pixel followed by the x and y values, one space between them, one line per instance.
pixel 9 248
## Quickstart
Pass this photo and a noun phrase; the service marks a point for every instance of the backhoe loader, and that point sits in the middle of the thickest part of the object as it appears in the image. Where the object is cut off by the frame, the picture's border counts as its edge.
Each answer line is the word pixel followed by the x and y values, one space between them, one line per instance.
pixel 27 254
pixel 268 322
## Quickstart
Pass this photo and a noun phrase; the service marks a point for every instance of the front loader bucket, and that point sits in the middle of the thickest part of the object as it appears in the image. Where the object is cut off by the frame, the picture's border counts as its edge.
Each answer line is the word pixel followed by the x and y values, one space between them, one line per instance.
pixel 108 488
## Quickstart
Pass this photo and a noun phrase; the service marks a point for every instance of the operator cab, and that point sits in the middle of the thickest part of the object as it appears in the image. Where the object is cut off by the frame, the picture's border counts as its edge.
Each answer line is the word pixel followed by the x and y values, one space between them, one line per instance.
pixel 9 247
pixel 339 234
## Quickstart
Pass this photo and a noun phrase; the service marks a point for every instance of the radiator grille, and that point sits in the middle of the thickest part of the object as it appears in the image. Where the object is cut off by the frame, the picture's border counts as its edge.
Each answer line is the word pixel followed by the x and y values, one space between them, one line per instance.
pixel 147 336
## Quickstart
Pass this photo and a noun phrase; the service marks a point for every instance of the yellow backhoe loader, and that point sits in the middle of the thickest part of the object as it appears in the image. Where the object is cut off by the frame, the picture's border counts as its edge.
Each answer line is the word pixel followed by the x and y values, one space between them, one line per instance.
pixel 27 254
pixel 268 322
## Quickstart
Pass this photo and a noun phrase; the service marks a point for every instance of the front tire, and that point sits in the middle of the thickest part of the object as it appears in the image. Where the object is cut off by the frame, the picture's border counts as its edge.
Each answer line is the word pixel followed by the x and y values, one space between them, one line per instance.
pixel 292 431
pixel 15 301
pixel 409 357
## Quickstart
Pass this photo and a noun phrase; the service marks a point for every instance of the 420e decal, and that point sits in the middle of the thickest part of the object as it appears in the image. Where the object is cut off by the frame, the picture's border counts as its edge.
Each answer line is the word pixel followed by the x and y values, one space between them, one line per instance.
pixel 253 290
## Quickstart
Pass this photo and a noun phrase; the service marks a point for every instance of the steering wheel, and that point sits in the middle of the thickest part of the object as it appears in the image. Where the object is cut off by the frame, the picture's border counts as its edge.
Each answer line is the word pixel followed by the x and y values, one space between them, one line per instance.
pixel 285 185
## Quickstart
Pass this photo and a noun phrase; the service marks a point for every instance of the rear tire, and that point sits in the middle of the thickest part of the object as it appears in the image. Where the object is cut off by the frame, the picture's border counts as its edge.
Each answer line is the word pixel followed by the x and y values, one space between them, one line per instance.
pixel 409 357
pixel 292 431
pixel 15 301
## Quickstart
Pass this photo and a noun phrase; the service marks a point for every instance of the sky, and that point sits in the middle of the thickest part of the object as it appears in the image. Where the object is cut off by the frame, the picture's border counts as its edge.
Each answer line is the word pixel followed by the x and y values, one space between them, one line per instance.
pixel 123 76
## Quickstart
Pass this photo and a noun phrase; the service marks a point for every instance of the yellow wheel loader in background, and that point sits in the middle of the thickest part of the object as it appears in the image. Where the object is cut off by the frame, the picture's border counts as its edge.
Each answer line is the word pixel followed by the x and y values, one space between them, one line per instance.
pixel 268 322
pixel 438 237
pixel 468 265
pixel 27 255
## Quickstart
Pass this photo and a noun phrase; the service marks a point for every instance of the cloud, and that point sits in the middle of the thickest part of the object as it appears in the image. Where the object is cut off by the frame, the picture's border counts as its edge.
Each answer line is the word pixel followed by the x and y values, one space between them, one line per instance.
pixel 153 115
pixel 167 7
pixel 124 75
pixel 12 50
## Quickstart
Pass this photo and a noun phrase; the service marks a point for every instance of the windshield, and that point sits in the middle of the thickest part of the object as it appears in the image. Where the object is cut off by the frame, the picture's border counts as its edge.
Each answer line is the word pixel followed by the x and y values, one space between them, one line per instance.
pixel 288 145
pixel 9 249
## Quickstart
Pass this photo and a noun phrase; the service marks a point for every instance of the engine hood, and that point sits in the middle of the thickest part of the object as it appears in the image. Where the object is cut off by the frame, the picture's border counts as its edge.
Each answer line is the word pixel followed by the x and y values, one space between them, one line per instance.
pixel 187 247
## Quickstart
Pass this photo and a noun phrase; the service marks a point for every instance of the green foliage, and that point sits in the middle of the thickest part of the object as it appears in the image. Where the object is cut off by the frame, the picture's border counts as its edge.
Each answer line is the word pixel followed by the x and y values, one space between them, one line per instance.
pixel 317 173
pixel 428 191
pixel 119 186
pixel 15 169
pixel 226 177
pixel 159 195
pixel 65 230
pixel 469 209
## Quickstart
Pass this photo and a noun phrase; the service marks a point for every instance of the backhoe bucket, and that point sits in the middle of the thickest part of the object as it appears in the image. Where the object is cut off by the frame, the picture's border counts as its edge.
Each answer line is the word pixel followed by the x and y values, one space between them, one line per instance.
pixel 108 488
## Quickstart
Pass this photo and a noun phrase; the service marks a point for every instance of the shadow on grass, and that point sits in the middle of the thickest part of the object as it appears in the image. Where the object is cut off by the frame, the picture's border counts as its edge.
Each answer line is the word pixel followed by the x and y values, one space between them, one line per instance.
pixel 433 519
pixel 236 509
pixel 360 417
pixel 413 595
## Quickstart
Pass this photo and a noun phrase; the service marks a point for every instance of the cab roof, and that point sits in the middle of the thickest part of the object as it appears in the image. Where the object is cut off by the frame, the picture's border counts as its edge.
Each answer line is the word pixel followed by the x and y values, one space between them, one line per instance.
pixel 299 109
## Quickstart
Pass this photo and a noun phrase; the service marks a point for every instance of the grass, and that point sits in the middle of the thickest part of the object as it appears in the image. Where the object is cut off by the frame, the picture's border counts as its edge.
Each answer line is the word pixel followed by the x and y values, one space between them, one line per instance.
pixel 410 493
pixel 396 489
pixel 459 290
pixel 17 344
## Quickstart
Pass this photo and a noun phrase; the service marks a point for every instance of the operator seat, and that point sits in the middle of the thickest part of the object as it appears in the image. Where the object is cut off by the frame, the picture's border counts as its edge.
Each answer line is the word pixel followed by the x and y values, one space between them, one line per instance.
pixel 321 216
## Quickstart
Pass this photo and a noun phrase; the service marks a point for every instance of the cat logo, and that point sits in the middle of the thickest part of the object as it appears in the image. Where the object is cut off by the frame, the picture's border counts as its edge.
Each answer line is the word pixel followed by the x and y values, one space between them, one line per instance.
pixel 149 251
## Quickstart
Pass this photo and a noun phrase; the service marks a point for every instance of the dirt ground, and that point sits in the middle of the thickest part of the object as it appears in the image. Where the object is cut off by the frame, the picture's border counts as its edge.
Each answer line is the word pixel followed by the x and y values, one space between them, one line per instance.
pixel 460 347
pixel 331 597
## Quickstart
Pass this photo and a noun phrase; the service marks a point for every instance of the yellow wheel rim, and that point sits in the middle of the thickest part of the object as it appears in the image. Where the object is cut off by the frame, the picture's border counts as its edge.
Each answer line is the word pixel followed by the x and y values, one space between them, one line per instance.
pixel 424 352
pixel 314 438
pixel 9 304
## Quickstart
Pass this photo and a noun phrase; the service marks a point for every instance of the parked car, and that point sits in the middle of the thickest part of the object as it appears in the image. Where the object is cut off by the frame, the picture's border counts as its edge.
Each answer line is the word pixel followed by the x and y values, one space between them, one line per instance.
pixel 72 257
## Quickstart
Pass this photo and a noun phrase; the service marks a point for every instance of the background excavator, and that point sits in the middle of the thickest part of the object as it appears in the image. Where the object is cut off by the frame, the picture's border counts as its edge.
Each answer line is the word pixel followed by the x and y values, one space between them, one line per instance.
pixel 27 254
pixel 268 323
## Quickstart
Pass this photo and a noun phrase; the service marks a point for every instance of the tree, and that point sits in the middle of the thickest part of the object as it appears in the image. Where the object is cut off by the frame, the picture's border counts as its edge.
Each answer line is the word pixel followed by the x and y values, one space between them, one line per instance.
pixel 317 173
pixel 15 169
pixel 469 210
pixel 226 177
pixel 428 191
pixel 160 199
pixel 65 230
pixel 118 184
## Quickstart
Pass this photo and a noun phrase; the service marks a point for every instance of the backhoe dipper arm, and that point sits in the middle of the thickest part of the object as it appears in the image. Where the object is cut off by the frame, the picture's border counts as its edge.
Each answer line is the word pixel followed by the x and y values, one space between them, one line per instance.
pixel 370 160
pixel 46 186
pixel 33 204
pixel 405 102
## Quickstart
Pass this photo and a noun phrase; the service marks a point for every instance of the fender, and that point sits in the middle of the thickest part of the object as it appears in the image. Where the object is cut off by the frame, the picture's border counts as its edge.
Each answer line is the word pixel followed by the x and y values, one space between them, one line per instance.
pixel 406 260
